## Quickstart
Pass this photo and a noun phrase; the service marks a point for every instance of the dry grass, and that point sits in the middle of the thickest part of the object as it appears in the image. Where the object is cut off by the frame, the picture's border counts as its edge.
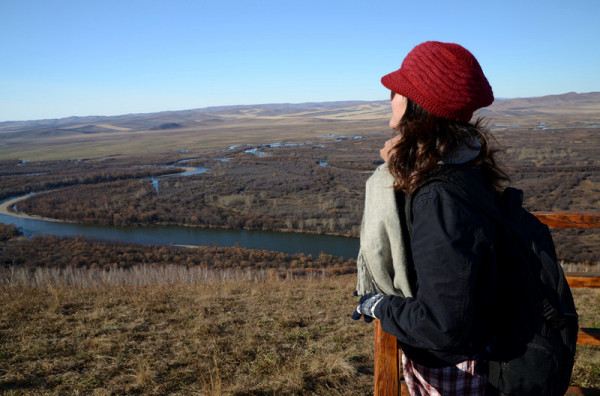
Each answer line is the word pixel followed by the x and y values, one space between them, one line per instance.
pixel 149 275
pixel 587 365
pixel 222 337
pixel 215 336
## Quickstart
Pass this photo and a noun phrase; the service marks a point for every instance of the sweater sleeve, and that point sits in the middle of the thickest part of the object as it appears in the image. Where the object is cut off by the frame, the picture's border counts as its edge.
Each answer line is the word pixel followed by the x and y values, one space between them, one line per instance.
pixel 447 257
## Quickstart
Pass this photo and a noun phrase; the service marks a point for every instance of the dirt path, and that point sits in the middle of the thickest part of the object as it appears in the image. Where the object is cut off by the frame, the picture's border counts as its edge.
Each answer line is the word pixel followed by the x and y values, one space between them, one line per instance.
pixel 5 208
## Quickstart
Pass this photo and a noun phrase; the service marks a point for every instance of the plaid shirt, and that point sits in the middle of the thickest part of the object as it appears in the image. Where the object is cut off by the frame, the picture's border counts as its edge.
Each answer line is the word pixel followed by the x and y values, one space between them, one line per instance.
pixel 461 379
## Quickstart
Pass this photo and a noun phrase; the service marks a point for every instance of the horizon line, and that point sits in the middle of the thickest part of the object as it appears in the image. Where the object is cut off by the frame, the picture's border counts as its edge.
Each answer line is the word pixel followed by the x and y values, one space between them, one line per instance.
pixel 261 104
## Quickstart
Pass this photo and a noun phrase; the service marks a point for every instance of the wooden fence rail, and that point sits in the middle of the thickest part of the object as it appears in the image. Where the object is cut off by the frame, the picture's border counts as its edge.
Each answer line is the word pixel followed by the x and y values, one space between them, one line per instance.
pixel 387 370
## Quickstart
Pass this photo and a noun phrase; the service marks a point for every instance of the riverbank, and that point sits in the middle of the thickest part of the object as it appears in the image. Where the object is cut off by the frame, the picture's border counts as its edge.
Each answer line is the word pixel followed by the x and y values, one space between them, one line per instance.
pixel 7 205
pixel 167 235
pixel 58 253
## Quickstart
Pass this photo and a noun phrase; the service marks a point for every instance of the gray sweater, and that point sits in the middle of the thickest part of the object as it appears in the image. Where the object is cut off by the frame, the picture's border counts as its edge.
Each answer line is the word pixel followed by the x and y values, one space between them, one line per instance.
pixel 381 262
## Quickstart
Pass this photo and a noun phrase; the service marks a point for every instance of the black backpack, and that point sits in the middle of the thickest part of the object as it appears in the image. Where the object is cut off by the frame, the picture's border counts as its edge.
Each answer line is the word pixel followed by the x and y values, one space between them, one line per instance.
pixel 532 351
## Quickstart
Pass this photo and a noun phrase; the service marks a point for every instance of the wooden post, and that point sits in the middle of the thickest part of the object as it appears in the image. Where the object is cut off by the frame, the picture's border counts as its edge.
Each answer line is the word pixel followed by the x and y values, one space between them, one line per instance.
pixel 387 363
pixel 591 281
pixel 588 336
pixel 569 219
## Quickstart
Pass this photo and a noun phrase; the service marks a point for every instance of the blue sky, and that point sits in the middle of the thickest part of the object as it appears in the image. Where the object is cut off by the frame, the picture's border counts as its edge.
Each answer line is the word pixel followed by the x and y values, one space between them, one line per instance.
pixel 62 58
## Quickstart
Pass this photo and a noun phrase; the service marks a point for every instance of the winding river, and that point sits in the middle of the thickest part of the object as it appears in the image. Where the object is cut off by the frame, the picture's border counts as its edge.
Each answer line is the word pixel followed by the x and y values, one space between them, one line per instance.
pixel 287 242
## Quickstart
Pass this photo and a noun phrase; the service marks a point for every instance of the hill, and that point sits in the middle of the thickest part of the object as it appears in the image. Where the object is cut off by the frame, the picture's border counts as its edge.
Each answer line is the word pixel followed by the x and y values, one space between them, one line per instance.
pixel 215 127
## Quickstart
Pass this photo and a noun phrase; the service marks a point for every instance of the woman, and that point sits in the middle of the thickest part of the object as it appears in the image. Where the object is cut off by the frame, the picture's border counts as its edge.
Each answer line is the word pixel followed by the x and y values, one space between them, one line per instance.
pixel 446 324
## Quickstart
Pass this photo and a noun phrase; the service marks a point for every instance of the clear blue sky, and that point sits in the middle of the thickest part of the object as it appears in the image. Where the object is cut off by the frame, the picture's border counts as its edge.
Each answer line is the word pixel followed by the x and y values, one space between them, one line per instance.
pixel 62 58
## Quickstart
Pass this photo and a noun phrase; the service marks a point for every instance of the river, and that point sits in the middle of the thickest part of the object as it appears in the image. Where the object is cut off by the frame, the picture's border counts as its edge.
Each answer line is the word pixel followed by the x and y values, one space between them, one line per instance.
pixel 287 242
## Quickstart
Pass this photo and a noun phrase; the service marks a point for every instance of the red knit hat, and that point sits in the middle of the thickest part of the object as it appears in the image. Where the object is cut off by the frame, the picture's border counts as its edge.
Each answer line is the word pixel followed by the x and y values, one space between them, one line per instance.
pixel 443 78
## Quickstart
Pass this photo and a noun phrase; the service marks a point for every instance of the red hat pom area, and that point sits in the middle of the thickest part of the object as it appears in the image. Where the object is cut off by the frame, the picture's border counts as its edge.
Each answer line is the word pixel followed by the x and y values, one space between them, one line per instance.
pixel 443 78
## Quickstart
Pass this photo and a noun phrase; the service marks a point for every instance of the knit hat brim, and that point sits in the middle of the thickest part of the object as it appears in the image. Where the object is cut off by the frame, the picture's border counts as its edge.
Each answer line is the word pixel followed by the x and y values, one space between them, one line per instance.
pixel 397 82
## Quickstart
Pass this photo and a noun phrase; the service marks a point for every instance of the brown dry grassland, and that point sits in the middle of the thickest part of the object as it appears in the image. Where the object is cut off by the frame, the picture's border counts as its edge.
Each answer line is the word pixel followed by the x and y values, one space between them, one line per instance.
pixel 242 338
pixel 271 336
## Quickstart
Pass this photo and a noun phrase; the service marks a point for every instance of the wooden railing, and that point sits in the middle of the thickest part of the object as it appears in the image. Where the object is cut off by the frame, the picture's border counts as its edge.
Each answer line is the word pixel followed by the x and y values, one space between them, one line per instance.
pixel 387 353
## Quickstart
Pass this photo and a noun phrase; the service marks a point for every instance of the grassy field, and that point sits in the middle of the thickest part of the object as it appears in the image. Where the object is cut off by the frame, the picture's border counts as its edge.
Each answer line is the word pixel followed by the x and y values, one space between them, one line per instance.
pixel 197 140
pixel 202 130
pixel 243 338
pixel 233 337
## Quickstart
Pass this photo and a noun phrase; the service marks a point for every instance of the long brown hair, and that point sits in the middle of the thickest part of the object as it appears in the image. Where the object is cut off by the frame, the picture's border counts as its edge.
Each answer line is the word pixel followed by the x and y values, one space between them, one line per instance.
pixel 426 139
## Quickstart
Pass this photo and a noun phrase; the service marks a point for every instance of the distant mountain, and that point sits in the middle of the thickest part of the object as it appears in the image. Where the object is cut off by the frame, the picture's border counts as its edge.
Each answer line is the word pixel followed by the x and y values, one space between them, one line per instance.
pixel 569 104
pixel 554 102
pixel 188 118
pixel 546 112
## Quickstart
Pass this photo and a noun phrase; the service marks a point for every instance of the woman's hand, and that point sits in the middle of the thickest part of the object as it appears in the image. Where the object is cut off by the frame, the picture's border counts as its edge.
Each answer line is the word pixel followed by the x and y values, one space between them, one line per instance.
pixel 387 151
pixel 366 307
